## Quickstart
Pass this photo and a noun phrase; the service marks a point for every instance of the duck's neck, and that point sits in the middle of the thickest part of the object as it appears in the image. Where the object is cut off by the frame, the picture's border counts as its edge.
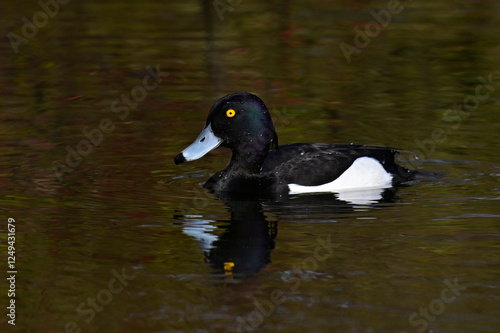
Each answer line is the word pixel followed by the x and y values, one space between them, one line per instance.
pixel 249 160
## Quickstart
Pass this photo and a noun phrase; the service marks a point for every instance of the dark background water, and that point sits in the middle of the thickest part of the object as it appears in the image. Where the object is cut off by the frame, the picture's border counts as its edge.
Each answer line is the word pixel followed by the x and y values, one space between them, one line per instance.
pixel 119 239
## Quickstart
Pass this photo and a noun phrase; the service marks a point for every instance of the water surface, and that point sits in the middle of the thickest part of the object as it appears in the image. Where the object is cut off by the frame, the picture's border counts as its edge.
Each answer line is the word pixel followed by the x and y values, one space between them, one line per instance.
pixel 122 240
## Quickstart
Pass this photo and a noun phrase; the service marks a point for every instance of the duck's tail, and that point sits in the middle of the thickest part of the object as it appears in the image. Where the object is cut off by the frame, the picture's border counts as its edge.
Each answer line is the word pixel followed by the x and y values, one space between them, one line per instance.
pixel 405 176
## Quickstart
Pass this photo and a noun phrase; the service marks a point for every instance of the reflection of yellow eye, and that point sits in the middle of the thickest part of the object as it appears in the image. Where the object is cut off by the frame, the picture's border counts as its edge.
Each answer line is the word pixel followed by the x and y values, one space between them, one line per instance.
pixel 230 113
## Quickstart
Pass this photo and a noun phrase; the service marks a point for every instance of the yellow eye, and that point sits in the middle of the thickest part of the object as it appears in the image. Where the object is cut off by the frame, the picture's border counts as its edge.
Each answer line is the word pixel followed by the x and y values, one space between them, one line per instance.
pixel 230 113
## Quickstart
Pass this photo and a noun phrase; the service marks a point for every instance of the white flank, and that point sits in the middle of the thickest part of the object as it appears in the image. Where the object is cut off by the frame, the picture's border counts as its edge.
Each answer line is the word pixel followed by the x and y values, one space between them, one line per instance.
pixel 365 172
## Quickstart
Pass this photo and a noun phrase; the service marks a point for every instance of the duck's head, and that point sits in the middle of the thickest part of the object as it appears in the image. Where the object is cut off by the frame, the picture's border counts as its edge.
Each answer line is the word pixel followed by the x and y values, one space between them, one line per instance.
pixel 240 122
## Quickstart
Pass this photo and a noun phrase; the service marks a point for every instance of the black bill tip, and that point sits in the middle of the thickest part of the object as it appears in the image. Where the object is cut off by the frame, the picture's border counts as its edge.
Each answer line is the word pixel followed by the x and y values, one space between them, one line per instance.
pixel 179 159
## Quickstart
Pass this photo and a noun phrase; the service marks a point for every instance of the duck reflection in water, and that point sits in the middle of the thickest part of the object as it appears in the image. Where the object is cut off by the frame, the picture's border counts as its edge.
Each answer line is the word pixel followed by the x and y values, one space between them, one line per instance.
pixel 241 246
pixel 237 247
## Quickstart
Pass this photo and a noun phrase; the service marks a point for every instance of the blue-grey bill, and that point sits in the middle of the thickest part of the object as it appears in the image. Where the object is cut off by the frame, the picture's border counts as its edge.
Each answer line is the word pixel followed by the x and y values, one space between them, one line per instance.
pixel 204 143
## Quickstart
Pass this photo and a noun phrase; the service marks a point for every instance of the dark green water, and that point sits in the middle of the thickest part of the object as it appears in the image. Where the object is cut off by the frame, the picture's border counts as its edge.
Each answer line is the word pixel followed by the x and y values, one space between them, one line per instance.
pixel 119 239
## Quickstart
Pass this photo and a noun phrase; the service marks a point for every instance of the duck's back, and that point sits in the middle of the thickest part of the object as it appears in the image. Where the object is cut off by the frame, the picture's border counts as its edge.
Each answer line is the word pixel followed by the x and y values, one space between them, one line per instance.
pixel 313 164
